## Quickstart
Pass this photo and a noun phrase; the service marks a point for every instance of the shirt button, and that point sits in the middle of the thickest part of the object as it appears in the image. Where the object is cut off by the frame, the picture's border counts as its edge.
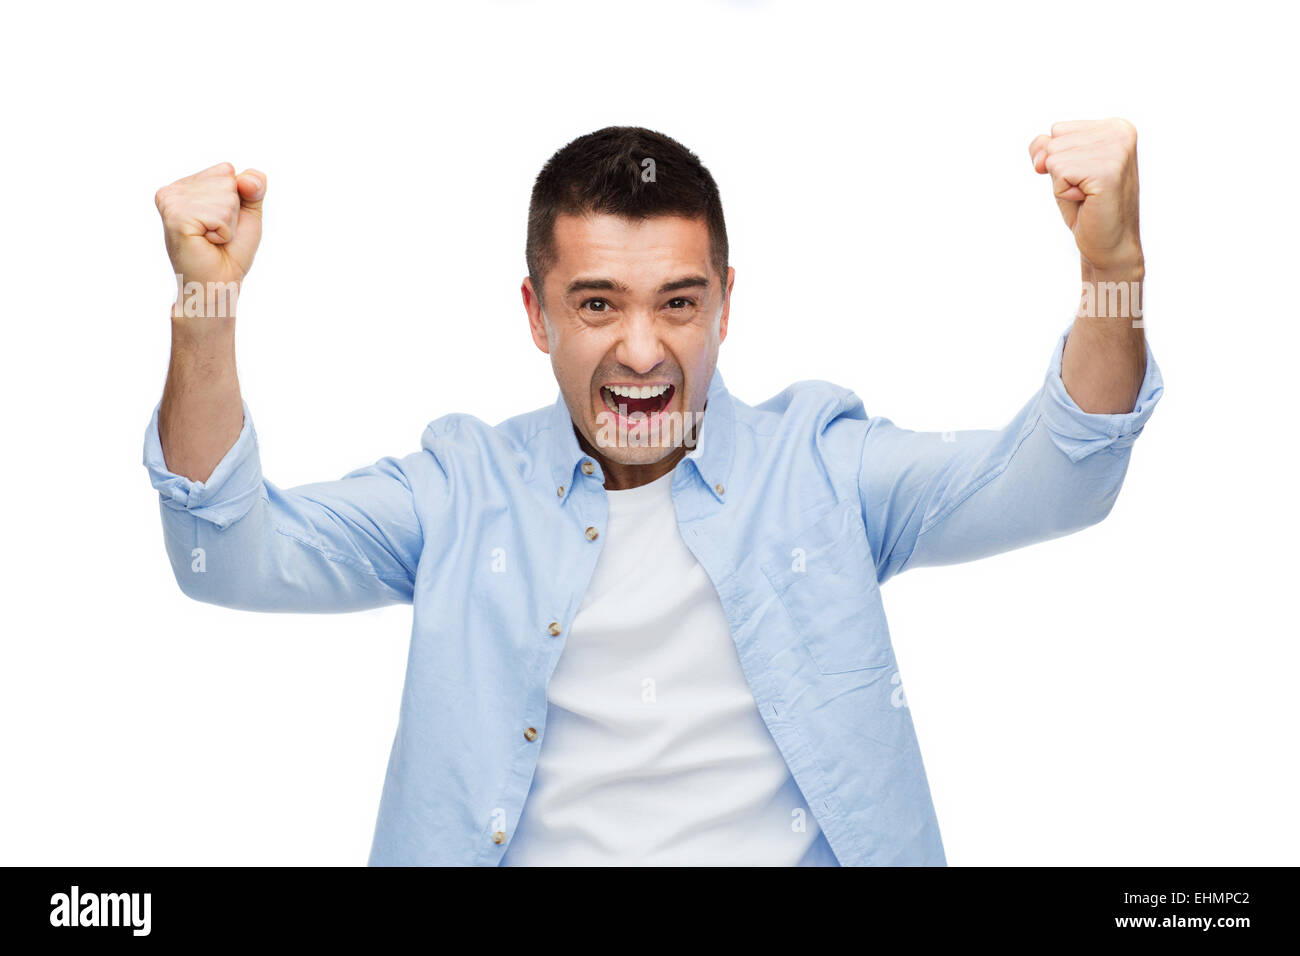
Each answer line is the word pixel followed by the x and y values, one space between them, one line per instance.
pixel 530 734
pixel 559 492
pixel 719 489
pixel 588 468
pixel 499 837
pixel 591 534
pixel 554 629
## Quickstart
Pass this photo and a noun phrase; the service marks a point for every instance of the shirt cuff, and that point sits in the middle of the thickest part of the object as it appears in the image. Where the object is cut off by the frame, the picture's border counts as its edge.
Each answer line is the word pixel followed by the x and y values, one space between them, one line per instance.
pixel 230 491
pixel 1079 433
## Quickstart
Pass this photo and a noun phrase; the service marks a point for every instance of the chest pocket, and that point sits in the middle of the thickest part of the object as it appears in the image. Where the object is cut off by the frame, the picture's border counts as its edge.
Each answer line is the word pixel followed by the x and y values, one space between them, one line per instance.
pixel 826 579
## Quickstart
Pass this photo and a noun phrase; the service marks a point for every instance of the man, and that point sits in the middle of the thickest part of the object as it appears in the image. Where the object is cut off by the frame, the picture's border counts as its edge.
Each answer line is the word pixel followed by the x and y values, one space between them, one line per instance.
pixel 647 620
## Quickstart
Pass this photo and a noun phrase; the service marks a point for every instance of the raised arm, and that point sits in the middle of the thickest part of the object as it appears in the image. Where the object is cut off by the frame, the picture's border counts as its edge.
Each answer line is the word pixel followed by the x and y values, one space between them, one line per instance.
pixel 1094 176
pixel 212 223
pixel 1057 466
pixel 232 537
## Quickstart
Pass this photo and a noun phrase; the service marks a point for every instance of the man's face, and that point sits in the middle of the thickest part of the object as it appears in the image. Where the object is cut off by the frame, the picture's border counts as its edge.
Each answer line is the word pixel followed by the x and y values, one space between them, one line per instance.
pixel 632 305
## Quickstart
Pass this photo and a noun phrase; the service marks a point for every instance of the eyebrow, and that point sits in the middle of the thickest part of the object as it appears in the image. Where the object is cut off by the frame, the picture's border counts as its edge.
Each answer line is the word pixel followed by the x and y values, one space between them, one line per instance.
pixel 612 285
pixel 690 282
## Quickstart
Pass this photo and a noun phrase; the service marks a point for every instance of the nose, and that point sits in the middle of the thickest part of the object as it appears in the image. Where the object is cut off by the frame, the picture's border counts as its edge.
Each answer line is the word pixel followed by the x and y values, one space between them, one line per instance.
pixel 639 347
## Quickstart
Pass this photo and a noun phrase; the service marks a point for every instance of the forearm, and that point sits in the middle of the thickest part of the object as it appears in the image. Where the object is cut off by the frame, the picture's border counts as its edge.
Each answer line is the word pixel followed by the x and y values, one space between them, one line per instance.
pixel 1104 360
pixel 201 414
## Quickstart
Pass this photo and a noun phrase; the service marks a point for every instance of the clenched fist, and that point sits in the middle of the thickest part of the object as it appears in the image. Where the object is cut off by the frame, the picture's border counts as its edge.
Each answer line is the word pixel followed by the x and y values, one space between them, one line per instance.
pixel 213 224
pixel 1093 165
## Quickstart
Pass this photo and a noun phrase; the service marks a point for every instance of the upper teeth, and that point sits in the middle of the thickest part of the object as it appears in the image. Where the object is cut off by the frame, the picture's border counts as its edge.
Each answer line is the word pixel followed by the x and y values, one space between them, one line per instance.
pixel 638 391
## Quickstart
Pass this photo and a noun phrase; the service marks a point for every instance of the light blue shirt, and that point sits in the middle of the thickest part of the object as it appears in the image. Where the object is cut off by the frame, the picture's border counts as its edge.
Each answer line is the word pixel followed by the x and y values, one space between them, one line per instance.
pixel 798 509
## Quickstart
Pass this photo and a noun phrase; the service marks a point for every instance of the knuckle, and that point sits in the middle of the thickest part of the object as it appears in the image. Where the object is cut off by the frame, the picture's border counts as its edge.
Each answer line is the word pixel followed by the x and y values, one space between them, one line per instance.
pixel 1125 131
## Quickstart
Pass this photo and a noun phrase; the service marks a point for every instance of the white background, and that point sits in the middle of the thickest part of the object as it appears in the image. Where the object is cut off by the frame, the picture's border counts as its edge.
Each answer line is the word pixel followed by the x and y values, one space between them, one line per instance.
pixel 1125 695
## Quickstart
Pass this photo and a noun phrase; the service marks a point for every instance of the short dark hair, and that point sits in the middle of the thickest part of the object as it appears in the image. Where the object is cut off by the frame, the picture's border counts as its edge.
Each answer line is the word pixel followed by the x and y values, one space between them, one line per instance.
pixel 606 172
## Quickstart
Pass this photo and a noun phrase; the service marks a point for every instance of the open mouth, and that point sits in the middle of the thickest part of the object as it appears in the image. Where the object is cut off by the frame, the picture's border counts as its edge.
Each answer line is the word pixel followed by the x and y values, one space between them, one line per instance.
pixel 627 400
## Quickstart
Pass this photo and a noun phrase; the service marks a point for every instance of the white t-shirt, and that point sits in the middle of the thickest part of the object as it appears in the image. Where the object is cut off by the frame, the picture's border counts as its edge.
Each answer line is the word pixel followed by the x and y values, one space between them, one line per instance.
pixel 654 751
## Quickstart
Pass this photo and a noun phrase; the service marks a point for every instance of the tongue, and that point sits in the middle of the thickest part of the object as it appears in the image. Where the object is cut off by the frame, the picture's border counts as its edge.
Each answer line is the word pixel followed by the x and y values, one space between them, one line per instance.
pixel 647 405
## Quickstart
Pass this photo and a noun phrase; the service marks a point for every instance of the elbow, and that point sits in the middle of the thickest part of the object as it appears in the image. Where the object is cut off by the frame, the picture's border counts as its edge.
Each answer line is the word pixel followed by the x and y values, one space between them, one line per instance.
pixel 196 572
pixel 191 573
pixel 1091 500
pixel 1100 507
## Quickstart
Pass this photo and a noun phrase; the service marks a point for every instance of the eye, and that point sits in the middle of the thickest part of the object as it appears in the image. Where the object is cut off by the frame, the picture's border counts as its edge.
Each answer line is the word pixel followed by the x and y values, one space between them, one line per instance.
pixel 596 305
pixel 681 303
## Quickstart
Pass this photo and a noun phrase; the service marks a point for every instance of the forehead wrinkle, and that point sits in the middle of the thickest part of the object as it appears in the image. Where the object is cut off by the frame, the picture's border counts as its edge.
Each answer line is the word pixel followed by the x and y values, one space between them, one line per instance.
pixel 598 247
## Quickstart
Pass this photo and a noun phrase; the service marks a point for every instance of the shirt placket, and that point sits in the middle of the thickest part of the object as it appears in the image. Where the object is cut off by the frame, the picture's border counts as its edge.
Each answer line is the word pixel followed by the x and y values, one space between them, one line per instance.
pixel 581 515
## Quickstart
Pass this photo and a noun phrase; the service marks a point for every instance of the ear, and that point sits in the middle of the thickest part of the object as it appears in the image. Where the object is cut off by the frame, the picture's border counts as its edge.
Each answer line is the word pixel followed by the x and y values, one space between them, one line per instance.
pixel 726 305
pixel 536 321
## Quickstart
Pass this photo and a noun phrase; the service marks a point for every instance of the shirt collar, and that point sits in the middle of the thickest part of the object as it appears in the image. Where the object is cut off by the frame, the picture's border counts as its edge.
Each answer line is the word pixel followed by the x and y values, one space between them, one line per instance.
pixel 710 458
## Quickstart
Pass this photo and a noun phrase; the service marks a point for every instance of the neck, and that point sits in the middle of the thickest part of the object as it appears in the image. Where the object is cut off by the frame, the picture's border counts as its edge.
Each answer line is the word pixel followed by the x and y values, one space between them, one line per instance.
pixel 620 477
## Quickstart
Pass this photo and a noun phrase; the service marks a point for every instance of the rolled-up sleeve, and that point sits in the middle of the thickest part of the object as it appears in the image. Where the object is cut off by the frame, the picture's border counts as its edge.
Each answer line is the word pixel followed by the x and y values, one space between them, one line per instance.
pixel 232 488
pixel 932 498
pixel 1079 433
pixel 240 541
